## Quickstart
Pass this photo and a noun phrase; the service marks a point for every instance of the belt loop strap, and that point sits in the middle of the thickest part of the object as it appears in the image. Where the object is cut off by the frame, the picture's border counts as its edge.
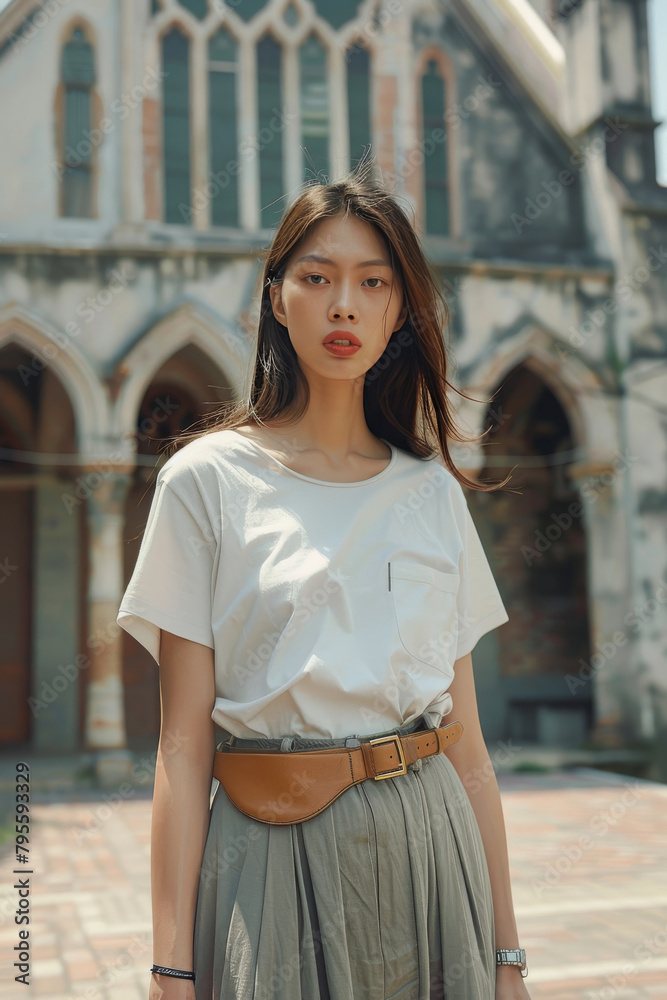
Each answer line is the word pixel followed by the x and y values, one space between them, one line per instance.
pixel 286 744
pixel 369 759
pixel 409 750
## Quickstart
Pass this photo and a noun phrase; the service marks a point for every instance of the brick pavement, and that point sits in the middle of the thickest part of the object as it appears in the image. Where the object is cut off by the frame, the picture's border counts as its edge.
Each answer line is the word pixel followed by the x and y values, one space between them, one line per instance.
pixel 588 860
pixel 592 913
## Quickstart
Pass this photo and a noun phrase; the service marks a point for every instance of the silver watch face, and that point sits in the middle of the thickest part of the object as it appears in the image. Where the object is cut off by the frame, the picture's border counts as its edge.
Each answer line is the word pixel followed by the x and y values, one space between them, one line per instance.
pixel 513 954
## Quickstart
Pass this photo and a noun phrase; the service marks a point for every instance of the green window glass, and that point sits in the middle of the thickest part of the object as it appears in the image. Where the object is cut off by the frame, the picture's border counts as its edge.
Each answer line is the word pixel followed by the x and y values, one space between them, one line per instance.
pixel 436 194
pixel 270 136
pixel 246 9
pixel 337 12
pixel 78 76
pixel 222 128
pixel 358 101
pixel 197 7
pixel 314 108
pixel 176 127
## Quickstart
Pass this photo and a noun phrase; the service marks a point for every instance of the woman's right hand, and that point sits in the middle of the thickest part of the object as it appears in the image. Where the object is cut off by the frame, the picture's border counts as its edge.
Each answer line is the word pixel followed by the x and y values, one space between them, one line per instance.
pixel 170 988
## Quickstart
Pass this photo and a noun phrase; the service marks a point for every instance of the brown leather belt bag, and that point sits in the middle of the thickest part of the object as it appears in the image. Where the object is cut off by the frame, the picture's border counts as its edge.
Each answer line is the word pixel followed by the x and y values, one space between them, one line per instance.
pixel 276 787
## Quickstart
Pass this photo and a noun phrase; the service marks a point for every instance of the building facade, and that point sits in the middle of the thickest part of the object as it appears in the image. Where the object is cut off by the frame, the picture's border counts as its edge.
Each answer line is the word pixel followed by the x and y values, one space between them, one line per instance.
pixel 151 147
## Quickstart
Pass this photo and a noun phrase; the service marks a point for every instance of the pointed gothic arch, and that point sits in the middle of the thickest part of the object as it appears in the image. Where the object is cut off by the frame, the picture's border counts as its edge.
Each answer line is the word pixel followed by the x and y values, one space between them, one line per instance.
pixel 187 324
pixel 51 347
pixel 564 371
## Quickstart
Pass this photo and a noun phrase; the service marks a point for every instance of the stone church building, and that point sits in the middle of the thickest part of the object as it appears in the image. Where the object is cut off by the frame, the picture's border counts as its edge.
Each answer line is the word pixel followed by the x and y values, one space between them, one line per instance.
pixel 149 148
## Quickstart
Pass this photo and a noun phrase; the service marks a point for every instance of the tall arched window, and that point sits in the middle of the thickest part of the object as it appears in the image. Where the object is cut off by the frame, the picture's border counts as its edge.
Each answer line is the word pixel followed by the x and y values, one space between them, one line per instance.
pixel 78 77
pixel 222 68
pixel 269 106
pixel 358 101
pixel 298 127
pixel 176 126
pixel 314 108
pixel 436 181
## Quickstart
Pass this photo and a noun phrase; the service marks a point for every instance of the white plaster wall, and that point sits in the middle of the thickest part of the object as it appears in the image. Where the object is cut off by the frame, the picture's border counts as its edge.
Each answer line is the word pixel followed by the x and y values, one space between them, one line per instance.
pixel 29 75
pixel 580 36
pixel 490 306
pixel 619 28
pixel 103 318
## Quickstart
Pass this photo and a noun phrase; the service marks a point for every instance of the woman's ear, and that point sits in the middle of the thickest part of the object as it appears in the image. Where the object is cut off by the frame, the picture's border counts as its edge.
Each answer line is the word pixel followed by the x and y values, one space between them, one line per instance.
pixel 275 293
pixel 401 319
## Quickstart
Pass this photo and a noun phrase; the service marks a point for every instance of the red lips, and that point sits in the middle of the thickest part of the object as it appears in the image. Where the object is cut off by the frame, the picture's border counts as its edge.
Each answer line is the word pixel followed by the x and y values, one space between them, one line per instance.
pixel 342 335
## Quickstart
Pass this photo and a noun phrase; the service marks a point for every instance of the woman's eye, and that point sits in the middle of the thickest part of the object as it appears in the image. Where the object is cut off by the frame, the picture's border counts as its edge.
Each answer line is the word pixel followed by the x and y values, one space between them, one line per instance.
pixel 319 279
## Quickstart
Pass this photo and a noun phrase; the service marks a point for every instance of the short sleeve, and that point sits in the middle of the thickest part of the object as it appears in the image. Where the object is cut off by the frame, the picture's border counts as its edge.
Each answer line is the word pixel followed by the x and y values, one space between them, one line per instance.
pixel 480 607
pixel 171 584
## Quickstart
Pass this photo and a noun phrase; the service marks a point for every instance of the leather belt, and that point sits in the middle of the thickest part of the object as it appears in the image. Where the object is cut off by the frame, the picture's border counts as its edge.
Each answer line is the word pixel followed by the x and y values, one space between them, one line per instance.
pixel 283 788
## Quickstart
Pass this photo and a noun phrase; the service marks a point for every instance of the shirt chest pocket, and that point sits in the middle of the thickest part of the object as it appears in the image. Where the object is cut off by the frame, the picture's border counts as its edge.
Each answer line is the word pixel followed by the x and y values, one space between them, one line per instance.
pixel 424 600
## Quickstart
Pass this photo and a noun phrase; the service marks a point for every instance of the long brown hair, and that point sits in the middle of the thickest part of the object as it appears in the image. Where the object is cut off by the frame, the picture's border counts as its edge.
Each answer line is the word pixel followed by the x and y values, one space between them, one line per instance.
pixel 404 397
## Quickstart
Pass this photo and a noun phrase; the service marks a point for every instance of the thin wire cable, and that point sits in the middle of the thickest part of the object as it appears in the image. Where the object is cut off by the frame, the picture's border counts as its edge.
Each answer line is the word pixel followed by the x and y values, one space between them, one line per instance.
pixel 42 458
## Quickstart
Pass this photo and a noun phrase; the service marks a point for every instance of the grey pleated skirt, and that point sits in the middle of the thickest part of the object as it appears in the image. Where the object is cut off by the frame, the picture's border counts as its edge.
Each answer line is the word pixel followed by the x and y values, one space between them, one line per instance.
pixel 385 894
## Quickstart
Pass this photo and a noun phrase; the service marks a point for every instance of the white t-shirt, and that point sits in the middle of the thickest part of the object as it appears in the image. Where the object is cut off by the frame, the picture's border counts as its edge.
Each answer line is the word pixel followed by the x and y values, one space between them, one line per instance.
pixel 333 608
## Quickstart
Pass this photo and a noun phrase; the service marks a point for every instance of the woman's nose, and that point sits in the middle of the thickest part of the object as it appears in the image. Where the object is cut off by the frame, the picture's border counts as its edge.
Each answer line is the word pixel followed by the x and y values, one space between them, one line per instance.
pixel 342 307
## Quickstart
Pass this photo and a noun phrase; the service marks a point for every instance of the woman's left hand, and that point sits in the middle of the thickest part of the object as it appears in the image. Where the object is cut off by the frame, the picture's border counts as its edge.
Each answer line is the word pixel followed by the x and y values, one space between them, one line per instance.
pixel 510 984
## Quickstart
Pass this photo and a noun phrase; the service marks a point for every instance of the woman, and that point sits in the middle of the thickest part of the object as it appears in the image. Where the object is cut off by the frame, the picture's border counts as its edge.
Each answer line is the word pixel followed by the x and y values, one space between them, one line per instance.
pixel 310 570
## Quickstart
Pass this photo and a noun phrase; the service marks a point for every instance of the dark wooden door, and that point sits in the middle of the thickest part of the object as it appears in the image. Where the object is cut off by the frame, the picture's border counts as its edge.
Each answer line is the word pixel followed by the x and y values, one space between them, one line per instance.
pixel 16 513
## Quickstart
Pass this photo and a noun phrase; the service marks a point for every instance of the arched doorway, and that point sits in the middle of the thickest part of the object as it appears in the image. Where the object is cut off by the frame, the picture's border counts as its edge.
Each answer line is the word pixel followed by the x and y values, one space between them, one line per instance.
pixel 536 543
pixel 187 387
pixel 41 528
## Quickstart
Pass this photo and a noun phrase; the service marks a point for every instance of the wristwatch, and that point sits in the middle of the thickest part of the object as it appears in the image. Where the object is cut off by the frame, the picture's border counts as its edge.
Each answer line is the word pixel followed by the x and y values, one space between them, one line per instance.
pixel 512 956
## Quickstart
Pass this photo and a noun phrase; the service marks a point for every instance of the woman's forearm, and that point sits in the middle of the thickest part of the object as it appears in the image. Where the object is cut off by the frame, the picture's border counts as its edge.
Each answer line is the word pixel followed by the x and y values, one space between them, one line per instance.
pixel 479 781
pixel 179 827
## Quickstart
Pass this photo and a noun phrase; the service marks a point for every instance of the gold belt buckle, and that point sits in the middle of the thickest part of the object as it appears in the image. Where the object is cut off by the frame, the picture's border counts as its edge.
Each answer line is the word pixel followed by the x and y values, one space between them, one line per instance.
pixel 400 770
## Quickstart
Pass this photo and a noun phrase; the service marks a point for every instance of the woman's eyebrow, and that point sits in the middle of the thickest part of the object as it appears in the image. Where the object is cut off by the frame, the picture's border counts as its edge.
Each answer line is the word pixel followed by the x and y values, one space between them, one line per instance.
pixel 378 262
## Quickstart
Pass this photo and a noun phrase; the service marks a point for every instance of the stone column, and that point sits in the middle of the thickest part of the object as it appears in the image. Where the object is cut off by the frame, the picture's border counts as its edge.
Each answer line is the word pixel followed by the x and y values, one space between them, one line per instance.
pixel 105 716
pixel 136 86
pixel 611 665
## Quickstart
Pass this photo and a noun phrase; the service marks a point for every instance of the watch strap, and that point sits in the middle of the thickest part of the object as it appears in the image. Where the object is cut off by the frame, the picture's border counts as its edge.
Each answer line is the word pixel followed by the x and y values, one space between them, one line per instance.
pixel 512 956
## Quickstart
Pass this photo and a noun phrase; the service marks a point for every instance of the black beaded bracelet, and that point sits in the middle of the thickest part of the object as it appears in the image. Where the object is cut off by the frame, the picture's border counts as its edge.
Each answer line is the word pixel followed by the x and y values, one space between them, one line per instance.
pixel 164 970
